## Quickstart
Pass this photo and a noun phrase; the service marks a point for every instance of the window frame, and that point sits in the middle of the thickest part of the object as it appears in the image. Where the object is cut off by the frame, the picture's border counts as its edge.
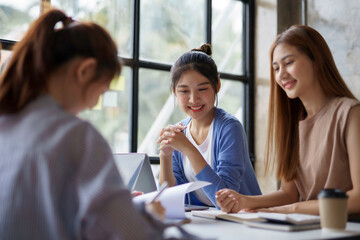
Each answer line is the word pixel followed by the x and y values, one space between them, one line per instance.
pixel 135 63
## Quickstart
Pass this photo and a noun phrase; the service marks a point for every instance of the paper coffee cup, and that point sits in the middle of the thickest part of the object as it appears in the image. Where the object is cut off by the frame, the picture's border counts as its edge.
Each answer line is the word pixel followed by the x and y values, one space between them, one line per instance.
pixel 333 209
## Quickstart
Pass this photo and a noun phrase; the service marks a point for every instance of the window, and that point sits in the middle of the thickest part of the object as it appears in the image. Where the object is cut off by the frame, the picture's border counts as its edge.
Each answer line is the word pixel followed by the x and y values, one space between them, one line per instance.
pixel 151 35
pixel 4 57
pixel 168 28
pixel 16 16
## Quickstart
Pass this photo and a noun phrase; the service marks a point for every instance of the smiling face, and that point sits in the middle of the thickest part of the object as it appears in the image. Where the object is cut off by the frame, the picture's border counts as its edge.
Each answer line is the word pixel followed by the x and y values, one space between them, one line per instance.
pixel 195 95
pixel 293 71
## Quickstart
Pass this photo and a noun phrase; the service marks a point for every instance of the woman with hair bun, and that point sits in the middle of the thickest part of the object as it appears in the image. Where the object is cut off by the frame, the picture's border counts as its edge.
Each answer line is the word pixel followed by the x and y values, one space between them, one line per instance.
pixel 313 129
pixel 58 177
pixel 210 145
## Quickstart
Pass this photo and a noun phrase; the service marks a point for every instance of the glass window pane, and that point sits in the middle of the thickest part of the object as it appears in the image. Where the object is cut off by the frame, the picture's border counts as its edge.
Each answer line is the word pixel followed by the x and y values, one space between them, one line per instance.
pixel 111 115
pixel 4 58
pixel 114 15
pixel 231 98
pixel 16 16
pixel 169 28
pixel 157 108
pixel 227 35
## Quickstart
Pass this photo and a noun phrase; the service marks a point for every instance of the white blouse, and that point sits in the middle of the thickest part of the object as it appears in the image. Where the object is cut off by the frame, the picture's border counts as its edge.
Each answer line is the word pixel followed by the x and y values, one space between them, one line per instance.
pixel 205 150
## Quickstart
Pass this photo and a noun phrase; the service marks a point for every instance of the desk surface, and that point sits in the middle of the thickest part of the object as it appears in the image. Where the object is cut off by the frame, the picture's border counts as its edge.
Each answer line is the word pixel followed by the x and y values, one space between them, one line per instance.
pixel 224 230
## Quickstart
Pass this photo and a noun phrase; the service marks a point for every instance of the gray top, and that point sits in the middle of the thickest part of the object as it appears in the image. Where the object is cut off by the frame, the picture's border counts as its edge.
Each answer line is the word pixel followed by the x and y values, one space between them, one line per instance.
pixel 58 179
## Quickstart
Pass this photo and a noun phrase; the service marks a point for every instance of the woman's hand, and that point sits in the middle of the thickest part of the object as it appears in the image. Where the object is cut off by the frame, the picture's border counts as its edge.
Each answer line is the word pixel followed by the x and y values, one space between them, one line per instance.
pixel 156 209
pixel 171 138
pixel 166 151
pixel 136 193
pixel 229 201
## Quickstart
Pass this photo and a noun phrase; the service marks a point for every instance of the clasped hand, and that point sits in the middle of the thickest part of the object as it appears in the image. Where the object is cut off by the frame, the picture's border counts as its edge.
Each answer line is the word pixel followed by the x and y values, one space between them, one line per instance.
pixel 171 138
pixel 231 201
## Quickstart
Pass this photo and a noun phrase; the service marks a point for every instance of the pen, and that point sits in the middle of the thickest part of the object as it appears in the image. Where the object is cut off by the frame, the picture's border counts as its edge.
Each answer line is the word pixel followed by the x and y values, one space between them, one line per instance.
pixel 162 188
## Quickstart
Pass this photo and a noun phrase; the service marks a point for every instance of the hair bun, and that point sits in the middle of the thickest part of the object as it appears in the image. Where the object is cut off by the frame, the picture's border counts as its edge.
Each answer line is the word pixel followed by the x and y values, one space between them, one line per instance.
pixel 205 48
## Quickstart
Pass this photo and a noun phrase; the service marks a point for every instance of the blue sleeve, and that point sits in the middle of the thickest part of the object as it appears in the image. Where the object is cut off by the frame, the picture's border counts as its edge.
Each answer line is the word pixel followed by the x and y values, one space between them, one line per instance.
pixel 231 162
pixel 177 161
pixel 178 168
pixel 179 173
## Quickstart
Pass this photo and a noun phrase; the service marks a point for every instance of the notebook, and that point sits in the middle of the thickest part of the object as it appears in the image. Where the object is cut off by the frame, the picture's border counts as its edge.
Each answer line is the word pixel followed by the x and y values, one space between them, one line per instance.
pixel 233 217
pixel 286 222
pixel 135 170
pixel 292 218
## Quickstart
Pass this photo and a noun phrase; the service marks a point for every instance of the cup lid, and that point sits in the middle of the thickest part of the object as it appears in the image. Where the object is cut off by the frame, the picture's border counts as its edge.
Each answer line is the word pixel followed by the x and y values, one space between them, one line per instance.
pixel 332 193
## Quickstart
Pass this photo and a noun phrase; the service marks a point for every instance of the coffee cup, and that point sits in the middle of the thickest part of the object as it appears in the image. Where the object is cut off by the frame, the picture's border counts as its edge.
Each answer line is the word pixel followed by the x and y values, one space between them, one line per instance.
pixel 333 209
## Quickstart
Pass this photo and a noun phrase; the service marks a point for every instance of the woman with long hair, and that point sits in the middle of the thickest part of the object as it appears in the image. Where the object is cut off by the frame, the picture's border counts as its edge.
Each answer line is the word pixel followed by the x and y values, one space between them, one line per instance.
pixel 313 129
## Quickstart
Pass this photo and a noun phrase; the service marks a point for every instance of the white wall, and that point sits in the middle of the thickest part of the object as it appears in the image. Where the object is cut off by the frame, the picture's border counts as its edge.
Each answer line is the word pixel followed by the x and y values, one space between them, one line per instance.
pixel 265 33
pixel 339 23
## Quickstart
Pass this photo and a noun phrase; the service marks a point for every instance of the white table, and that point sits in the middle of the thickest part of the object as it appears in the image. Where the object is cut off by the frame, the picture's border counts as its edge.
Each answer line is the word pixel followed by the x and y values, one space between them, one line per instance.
pixel 224 230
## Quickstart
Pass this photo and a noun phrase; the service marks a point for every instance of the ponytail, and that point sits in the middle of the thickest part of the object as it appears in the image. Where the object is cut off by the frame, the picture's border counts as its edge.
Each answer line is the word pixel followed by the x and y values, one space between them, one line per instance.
pixel 52 40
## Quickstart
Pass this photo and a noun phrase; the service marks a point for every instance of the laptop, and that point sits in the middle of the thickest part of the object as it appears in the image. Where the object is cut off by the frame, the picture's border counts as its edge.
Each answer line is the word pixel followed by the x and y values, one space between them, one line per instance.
pixel 135 170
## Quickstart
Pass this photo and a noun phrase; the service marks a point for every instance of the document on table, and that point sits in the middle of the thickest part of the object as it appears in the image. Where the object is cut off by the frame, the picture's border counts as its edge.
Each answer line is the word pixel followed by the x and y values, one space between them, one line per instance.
pixel 173 198
pixel 233 217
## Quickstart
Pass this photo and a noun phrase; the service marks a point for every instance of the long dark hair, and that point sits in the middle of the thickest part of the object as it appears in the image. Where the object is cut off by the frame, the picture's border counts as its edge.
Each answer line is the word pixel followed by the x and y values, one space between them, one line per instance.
pixel 53 40
pixel 284 113
pixel 198 59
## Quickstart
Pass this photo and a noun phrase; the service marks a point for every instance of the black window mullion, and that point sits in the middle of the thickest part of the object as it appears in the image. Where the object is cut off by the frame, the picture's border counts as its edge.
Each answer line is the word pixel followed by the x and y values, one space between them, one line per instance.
pixel 235 77
pixel 154 65
pixel 248 61
pixel 134 102
pixel 208 20
pixel 146 64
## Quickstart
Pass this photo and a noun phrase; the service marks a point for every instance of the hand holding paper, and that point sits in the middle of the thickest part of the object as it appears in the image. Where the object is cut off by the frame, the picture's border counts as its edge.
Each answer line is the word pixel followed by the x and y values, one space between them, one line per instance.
pixel 173 198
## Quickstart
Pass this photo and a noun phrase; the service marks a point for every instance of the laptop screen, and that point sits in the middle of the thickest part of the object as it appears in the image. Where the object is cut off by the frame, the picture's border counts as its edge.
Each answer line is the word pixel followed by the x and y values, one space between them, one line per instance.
pixel 135 170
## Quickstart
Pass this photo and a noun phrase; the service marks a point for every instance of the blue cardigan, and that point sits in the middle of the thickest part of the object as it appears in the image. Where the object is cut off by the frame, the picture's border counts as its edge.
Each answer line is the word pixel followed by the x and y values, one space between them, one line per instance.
pixel 231 164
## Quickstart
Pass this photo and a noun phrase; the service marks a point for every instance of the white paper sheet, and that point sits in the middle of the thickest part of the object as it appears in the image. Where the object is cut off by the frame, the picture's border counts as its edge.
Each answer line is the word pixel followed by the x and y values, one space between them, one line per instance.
pixel 173 198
